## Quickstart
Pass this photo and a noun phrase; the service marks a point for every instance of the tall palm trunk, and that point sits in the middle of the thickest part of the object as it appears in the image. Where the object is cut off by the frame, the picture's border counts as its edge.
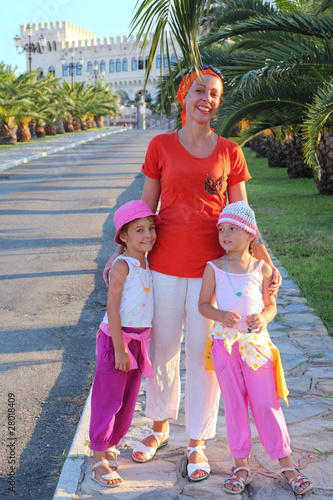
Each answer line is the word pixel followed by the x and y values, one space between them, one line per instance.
pixel 69 126
pixel 32 128
pixel 7 134
pixel 296 167
pixel 325 158
pixel 40 131
pixel 260 145
pixel 23 133
pixel 50 129
pixel 277 155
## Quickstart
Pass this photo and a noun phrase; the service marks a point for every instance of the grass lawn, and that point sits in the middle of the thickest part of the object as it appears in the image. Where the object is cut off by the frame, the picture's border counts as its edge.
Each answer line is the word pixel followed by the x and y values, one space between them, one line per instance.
pixel 47 138
pixel 297 222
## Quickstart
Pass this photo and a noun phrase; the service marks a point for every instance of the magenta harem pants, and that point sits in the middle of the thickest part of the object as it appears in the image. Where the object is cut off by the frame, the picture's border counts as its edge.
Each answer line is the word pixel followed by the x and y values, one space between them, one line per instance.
pixel 240 385
pixel 113 396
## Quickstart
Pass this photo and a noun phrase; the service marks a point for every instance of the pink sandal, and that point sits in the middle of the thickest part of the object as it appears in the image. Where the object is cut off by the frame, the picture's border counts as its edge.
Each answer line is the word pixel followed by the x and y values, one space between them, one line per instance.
pixel 296 481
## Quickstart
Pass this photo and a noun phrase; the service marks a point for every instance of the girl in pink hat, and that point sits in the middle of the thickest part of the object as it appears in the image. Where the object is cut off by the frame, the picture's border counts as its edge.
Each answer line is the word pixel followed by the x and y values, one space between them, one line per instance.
pixel 122 340
pixel 246 362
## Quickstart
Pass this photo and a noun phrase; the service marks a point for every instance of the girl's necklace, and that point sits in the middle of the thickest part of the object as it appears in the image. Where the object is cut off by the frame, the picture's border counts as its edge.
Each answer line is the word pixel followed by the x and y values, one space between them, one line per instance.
pixel 239 294
pixel 146 289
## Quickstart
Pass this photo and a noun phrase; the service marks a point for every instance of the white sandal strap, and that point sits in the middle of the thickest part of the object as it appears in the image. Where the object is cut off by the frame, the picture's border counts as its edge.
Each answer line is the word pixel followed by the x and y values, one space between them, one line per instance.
pixel 157 434
pixel 113 450
pixel 198 449
pixel 200 466
pixel 242 468
pixel 98 464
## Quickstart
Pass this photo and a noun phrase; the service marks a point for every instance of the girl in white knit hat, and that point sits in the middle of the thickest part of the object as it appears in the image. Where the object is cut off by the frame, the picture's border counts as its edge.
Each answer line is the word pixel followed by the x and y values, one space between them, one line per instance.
pixel 247 364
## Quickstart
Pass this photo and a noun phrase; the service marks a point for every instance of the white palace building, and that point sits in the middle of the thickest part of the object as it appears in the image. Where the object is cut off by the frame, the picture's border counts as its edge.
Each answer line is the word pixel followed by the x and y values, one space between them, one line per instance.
pixel 116 61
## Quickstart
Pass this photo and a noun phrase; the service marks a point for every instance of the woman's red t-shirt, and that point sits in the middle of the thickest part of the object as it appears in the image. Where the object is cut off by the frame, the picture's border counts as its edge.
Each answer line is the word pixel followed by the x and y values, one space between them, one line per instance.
pixel 187 236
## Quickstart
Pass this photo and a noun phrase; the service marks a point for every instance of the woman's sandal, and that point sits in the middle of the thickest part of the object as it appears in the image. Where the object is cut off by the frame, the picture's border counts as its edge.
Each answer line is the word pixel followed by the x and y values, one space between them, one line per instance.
pixel 105 477
pixel 237 481
pixel 296 481
pixel 149 451
pixel 113 463
pixel 199 466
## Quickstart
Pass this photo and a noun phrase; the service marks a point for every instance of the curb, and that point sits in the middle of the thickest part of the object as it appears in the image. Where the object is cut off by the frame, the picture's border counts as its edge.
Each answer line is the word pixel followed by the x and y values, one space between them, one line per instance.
pixel 72 469
pixel 35 156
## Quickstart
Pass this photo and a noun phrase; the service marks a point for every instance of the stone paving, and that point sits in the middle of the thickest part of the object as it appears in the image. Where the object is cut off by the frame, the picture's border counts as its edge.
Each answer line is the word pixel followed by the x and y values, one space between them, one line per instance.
pixel 307 355
pixel 27 152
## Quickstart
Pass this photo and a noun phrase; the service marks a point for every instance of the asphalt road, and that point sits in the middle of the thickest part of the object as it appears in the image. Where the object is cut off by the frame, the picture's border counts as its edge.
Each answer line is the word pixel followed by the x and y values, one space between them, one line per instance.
pixel 56 235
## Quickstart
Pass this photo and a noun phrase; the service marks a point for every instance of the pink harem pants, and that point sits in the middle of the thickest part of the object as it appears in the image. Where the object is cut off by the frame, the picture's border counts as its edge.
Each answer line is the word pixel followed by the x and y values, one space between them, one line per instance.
pixel 113 396
pixel 240 385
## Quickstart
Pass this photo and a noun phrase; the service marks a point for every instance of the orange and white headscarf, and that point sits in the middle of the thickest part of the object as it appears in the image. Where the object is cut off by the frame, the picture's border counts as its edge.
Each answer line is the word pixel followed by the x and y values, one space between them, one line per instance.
pixel 187 81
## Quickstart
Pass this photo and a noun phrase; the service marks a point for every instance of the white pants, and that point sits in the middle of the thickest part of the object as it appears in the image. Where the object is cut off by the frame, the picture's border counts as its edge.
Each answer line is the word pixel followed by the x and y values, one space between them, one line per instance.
pixel 176 300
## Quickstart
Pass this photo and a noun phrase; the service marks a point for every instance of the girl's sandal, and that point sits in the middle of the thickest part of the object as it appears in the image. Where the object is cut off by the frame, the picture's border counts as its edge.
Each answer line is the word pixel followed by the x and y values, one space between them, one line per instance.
pixel 191 468
pixel 237 481
pixel 149 451
pixel 112 463
pixel 103 481
pixel 296 481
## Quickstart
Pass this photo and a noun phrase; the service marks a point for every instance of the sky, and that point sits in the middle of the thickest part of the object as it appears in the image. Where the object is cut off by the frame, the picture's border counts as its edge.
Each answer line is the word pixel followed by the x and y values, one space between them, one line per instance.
pixel 101 17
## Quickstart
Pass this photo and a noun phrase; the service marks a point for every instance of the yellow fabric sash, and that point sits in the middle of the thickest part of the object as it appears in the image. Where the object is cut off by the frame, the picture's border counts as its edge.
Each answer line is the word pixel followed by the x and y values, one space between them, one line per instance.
pixel 255 349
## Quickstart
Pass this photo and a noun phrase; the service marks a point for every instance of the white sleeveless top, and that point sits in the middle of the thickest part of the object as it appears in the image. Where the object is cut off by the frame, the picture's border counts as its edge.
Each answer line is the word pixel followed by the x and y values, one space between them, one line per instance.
pixel 136 307
pixel 251 301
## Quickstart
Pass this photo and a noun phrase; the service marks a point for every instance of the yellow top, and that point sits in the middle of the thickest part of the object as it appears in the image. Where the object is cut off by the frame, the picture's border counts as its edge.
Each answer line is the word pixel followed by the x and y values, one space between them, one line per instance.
pixel 255 350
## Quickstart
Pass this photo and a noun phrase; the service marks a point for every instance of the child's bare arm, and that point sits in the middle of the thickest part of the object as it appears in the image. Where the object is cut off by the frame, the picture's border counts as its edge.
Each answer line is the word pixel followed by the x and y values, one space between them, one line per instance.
pixel 258 321
pixel 118 274
pixel 206 299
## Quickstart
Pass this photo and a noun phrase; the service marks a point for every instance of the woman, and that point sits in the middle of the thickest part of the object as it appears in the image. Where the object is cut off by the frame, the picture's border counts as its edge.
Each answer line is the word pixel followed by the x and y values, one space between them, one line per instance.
pixel 190 170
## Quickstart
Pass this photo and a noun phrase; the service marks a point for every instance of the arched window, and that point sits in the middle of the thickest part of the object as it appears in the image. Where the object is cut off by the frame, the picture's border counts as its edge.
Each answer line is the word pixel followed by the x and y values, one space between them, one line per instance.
pixel 89 67
pixel 146 61
pixel 49 47
pixel 173 59
pixel 65 70
pixel 165 60
pixel 54 45
pixel 134 64
pixel 111 66
pixel 102 66
pixel 79 69
pixel 96 64
pixel 158 61
pixel 140 63
pixel 118 65
pixel 125 65
pixel 52 70
pixel 71 70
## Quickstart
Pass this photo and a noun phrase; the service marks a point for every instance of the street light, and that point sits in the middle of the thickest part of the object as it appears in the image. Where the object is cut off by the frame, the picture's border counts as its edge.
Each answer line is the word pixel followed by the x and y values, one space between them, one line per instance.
pixel 96 76
pixel 72 66
pixel 30 47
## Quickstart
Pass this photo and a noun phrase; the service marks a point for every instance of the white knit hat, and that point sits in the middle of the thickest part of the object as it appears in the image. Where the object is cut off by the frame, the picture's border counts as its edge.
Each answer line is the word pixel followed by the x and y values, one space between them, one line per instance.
pixel 241 215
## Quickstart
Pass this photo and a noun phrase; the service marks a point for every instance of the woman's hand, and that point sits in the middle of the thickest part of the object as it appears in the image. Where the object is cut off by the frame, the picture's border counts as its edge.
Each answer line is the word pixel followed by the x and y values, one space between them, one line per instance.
pixel 276 282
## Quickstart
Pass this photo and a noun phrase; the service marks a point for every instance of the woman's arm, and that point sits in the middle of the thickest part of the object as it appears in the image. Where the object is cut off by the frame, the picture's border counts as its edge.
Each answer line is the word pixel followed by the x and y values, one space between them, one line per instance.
pixel 118 276
pixel 206 299
pixel 237 192
pixel 151 192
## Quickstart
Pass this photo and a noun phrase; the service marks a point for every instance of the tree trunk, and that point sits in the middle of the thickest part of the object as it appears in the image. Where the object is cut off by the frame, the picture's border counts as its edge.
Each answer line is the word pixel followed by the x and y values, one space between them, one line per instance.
pixel 84 125
pixel 50 130
pixel 59 126
pixel 100 121
pixel 32 128
pixel 260 145
pixel 40 131
pixel 325 158
pixel 69 126
pixel 296 167
pixel 89 124
pixel 77 124
pixel 23 134
pixel 7 135
pixel 277 156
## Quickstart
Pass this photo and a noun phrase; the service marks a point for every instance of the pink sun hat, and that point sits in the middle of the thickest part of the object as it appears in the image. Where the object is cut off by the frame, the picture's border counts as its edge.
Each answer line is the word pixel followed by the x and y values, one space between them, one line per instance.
pixel 136 209
pixel 241 215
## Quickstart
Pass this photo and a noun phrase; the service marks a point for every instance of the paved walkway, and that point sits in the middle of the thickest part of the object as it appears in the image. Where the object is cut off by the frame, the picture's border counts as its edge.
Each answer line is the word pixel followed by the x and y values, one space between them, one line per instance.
pixel 28 152
pixel 307 355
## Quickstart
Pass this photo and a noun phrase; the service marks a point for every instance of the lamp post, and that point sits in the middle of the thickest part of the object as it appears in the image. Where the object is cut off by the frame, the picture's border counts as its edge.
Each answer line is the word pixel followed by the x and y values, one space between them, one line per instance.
pixel 72 66
pixel 96 76
pixel 30 47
